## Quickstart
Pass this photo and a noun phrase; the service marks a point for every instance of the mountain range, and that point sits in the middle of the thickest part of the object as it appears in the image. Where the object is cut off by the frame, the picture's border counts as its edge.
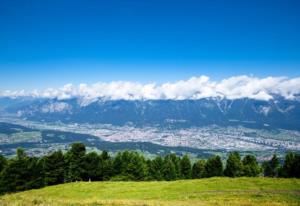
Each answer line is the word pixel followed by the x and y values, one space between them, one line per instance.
pixel 277 112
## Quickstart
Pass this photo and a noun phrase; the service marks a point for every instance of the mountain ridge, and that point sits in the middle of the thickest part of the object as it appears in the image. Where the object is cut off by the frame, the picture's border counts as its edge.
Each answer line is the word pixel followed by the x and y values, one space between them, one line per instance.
pixel 275 113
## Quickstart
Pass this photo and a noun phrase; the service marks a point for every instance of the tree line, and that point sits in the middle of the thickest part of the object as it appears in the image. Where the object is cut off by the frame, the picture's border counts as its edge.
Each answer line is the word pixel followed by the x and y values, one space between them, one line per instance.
pixel 23 172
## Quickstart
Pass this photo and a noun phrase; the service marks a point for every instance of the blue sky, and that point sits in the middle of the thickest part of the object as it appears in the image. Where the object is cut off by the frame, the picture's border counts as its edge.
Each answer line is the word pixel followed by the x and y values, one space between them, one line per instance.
pixel 51 43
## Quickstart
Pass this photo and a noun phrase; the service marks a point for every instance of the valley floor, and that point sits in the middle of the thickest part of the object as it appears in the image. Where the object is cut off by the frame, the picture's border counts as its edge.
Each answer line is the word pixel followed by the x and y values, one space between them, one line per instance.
pixel 212 191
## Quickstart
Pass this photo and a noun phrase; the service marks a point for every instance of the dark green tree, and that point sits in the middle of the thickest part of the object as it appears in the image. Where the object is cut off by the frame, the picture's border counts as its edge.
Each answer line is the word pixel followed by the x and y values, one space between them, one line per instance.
pixel 233 165
pixel 156 168
pixel 251 167
pixel 186 167
pixel 35 173
pixel 291 166
pixel 118 167
pixel 176 161
pixel 75 161
pixel 54 167
pixel 169 170
pixel 21 155
pixel 92 167
pixel 137 167
pixel 13 176
pixel 130 166
pixel 271 167
pixel 214 166
pixel 198 170
pixel 106 166
pixel 3 163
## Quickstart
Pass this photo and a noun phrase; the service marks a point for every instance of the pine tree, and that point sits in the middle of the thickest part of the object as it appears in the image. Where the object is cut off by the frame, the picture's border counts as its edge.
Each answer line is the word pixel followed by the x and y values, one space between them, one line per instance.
pixel 118 164
pixel 92 167
pixel 198 170
pixel 169 170
pixel 291 166
pixel 186 168
pixel 233 165
pixel 271 167
pixel 54 166
pixel 214 166
pixel 106 166
pixel 176 161
pixel 75 161
pixel 130 166
pixel 35 173
pixel 137 167
pixel 3 163
pixel 156 168
pixel 250 166
pixel 15 175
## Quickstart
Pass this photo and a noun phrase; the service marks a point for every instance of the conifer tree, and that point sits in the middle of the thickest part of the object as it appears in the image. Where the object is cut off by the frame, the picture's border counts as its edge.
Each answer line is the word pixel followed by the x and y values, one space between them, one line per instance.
pixel 233 165
pixel 198 170
pixel 92 167
pixel 54 167
pixel 169 170
pixel 186 168
pixel 271 167
pixel 250 166
pixel 3 163
pixel 15 175
pixel 156 168
pixel 214 166
pixel 75 161
pixel 291 166
pixel 106 166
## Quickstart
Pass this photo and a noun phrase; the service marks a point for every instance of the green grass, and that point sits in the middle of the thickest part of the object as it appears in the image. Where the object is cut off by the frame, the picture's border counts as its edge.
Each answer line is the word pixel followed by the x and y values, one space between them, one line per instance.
pixel 212 191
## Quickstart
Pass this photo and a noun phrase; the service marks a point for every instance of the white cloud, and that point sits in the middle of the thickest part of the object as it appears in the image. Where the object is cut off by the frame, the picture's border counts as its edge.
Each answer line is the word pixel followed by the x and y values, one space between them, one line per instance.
pixel 194 88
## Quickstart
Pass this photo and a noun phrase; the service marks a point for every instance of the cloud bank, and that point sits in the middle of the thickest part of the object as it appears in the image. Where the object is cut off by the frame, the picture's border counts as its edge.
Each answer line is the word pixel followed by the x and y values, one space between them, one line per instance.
pixel 194 88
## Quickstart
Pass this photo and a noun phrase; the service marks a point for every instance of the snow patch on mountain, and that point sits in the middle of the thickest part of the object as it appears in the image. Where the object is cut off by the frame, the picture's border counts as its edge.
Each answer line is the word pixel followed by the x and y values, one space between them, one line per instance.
pixel 56 107
pixel 265 110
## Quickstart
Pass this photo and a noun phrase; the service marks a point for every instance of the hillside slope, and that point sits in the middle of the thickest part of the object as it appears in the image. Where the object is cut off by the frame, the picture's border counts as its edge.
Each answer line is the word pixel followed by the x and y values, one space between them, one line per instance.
pixel 213 191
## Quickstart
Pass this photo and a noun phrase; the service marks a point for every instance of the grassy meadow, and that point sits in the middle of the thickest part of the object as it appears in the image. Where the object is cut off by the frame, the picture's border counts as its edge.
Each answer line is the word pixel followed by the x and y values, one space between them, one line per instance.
pixel 211 191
